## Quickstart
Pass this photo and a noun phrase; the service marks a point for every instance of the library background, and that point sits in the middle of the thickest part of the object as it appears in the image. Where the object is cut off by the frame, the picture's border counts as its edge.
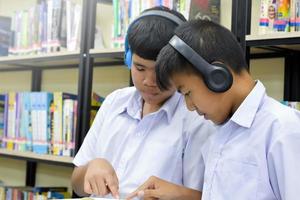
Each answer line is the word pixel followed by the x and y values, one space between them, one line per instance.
pixel 60 58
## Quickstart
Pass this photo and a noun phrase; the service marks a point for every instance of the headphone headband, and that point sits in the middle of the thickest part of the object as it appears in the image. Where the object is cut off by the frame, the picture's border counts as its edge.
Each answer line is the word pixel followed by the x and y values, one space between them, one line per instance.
pixel 160 13
pixel 216 76
pixel 190 54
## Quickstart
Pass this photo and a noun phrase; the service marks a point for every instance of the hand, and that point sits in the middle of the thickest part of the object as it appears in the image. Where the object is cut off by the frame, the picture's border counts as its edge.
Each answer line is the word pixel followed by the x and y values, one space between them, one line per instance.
pixel 156 188
pixel 101 179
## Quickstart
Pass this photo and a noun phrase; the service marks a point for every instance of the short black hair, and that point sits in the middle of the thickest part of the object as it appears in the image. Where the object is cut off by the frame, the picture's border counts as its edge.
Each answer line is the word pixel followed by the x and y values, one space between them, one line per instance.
pixel 148 35
pixel 210 40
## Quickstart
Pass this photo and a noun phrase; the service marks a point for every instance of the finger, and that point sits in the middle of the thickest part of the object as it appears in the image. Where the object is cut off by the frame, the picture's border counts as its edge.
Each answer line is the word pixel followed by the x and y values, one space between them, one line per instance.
pixel 152 194
pixel 131 196
pixel 149 184
pixel 94 187
pixel 87 187
pixel 113 185
pixel 141 195
pixel 102 188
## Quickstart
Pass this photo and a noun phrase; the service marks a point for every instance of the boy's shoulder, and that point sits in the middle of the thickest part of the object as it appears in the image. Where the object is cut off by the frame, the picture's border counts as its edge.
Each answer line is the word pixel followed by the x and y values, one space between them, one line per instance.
pixel 282 115
pixel 121 95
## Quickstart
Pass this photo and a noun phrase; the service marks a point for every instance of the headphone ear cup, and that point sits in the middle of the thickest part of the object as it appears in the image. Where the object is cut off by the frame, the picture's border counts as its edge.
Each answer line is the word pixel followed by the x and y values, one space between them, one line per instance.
pixel 219 78
pixel 127 54
pixel 128 58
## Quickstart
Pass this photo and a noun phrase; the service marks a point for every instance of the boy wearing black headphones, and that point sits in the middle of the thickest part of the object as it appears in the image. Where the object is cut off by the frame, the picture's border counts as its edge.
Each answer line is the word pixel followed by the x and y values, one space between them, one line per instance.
pixel 255 152
pixel 142 131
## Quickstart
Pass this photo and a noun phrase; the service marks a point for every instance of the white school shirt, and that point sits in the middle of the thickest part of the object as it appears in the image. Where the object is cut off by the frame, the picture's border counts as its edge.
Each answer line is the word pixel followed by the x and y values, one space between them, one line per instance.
pixel 256 154
pixel 166 143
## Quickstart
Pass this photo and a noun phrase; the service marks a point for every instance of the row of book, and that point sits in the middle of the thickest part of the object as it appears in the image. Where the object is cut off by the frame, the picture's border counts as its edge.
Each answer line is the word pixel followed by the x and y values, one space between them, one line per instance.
pixel 41 122
pixel 292 104
pixel 279 16
pixel 55 25
pixel 33 193
pixel 48 26
pixel 125 11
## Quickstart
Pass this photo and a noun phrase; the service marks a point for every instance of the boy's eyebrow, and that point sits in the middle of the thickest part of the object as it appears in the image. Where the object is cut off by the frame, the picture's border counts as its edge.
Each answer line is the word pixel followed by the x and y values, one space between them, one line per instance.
pixel 139 64
pixel 179 88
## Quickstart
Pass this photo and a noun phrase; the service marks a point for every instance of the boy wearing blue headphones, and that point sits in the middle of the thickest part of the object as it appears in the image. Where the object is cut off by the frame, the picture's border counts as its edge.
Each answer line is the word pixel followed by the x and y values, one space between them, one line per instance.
pixel 142 131
pixel 255 152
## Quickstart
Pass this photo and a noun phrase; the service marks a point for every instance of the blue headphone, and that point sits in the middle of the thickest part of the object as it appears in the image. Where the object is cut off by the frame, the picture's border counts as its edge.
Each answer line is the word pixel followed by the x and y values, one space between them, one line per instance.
pixel 216 76
pixel 159 13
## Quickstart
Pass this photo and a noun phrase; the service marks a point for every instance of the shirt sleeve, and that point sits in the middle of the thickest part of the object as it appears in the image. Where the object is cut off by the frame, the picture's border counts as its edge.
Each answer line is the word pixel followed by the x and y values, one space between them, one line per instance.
pixel 87 149
pixel 197 134
pixel 284 165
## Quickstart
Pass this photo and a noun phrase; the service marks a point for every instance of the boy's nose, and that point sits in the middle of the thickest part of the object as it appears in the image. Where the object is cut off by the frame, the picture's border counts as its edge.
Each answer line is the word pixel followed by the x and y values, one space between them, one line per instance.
pixel 150 80
pixel 189 104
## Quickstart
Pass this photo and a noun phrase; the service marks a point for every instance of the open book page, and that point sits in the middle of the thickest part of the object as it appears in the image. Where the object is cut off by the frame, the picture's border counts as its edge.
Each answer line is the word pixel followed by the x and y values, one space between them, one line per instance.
pixel 93 198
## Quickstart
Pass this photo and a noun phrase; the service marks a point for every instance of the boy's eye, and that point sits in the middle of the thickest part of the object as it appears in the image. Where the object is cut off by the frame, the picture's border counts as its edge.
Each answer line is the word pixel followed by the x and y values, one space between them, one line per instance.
pixel 187 93
pixel 139 68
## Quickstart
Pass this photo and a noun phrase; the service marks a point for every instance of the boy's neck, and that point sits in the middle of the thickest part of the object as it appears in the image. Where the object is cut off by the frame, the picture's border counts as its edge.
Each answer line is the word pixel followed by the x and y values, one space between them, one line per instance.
pixel 243 85
pixel 150 108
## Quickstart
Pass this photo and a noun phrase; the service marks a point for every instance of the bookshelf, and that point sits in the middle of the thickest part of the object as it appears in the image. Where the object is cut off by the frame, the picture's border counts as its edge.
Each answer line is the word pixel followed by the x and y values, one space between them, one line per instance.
pixel 80 63
pixel 60 60
pixel 289 41
pixel 279 46
pixel 56 160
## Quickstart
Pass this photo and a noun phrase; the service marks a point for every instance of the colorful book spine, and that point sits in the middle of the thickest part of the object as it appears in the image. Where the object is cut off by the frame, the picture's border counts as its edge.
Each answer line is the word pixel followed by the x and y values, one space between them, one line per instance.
pixel 292 16
pixel 11 123
pixel 5 125
pixel 283 15
pixel 57 140
pixel 268 10
pixel 2 117
pixel 297 15
pixel 292 104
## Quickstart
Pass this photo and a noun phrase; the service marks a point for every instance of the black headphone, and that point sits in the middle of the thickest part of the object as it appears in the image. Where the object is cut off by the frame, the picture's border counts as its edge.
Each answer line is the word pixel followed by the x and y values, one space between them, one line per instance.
pixel 160 13
pixel 216 76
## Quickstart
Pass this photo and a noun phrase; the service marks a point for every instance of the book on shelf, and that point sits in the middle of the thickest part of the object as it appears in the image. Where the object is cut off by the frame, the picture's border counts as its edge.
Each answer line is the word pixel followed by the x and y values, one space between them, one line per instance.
pixel 96 102
pixel 58 121
pixel 205 9
pixel 294 15
pixel 279 16
pixel 292 104
pixel 41 122
pixel 2 120
pixel 5 35
pixel 125 11
pixel 49 26
pixel 31 193
pixel 94 198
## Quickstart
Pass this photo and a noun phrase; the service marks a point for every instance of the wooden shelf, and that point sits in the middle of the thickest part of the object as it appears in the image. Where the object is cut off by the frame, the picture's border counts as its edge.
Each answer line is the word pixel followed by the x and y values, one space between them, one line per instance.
pixel 60 160
pixel 107 57
pixel 290 40
pixel 112 52
pixel 104 1
pixel 273 45
pixel 274 35
pixel 60 60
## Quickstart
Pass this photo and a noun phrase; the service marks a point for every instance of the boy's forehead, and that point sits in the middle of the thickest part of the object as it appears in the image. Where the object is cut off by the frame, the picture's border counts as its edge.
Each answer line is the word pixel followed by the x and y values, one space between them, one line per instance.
pixel 180 80
pixel 142 61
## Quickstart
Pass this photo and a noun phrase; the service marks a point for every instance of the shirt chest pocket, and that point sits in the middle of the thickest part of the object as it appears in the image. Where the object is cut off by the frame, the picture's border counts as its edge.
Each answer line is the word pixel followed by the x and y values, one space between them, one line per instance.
pixel 162 159
pixel 235 180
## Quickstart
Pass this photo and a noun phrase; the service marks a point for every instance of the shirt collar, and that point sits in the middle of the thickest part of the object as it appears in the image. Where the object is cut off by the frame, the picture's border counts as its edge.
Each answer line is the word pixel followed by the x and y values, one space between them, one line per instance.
pixel 133 106
pixel 246 112
pixel 170 105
